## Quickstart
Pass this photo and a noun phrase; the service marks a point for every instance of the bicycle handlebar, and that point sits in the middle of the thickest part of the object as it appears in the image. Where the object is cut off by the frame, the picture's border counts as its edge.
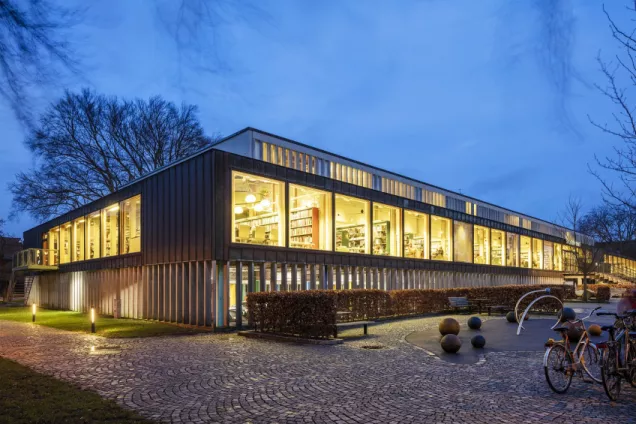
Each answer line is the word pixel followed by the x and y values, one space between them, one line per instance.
pixel 590 314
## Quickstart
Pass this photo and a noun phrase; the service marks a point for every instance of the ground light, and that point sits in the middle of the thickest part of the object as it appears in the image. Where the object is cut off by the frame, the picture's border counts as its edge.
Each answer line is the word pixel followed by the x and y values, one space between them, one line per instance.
pixel 92 320
pixel 33 308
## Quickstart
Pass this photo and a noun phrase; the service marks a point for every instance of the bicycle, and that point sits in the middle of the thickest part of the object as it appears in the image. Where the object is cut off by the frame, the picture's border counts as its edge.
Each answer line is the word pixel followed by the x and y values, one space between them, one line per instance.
pixel 619 353
pixel 560 362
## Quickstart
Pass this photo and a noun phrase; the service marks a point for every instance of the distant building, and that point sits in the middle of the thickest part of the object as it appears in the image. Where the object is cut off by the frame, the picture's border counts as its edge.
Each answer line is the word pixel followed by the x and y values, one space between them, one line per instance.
pixel 260 212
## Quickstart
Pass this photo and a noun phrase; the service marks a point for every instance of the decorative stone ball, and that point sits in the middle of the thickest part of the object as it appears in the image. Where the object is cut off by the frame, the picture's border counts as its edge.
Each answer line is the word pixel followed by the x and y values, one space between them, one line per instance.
pixel 478 341
pixel 449 326
pixel 451 343
pixel 510 316
pixel 575 331
pixel 474 323
pixel 567 314
pixel 594 330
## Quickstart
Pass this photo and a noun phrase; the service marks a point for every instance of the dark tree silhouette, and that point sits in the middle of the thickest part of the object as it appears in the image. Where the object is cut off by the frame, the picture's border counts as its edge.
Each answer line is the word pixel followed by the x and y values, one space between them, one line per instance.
pixel 87 145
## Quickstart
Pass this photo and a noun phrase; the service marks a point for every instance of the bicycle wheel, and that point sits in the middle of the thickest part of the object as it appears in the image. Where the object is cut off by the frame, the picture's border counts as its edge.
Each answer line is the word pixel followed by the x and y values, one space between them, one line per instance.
pixel 558 368
pixel 631 363
pixel 610 374
pixel 591 362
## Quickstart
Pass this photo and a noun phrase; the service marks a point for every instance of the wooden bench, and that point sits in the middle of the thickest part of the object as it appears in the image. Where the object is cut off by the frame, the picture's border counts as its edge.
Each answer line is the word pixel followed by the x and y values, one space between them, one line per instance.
pixel 498 308
pixel 351 324
pixel 460 303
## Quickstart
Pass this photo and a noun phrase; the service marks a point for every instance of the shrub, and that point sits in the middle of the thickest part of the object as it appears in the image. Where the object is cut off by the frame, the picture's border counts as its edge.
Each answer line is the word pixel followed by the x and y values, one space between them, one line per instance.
pixel 303 313
pixel 364 304
pixel 603 293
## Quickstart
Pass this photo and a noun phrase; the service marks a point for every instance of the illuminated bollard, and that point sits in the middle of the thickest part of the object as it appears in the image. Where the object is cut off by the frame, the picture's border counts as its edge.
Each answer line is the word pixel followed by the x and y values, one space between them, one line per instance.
pixel 33 308
pixel 92 320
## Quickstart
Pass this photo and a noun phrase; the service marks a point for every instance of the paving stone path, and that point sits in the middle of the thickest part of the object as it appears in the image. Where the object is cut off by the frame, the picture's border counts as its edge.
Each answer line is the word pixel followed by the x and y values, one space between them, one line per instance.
pixel 226 378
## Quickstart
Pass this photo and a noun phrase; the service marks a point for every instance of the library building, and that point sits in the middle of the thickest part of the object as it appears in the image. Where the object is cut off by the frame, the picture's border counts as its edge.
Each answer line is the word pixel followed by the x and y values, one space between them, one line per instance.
pixel 258 212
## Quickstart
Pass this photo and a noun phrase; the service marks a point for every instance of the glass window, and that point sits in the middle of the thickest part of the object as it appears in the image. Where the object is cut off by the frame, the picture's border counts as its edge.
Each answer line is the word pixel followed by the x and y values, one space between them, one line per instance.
pixel 440 238
pixel 482 245
pixel 548 254
pixel 512 249
pixel 387 230
pixel 93 236
pixel 131 223
pixel 463 242
pixel 497 247
pixel 79 236
pixel 537 253
pixel 54 246
pixel 558 257
pixel 65 243
pixel 258 210
pixel 110 233
pixel 415 235
pixel 526 248
pixel 309 218
pixel 352 224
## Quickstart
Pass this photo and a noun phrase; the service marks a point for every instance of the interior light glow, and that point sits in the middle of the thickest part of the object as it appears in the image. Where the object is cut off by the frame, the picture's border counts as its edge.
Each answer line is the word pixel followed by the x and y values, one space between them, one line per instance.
pixel 258 207
pixel 238 210
pixel 266 203
pixel 113 208
pixel 250 198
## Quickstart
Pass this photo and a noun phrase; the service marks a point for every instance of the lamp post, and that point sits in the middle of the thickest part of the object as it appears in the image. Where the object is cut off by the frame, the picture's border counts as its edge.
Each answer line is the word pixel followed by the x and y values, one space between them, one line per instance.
pixel 92 320
pixel 33 308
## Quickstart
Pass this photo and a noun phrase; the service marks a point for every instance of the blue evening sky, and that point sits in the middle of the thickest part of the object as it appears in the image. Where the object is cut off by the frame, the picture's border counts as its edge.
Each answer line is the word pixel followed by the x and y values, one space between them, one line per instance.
pixel 459 94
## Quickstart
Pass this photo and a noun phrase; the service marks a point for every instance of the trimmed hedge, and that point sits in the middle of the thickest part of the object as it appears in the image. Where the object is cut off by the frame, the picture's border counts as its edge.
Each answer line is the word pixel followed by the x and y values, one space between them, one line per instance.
pixel 302 313
pixel 603 293
pixel 313 313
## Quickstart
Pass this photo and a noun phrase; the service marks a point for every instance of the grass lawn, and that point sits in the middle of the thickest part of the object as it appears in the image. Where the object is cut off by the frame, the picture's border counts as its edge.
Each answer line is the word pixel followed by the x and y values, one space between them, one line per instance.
pixel 105 326
pixel 29 397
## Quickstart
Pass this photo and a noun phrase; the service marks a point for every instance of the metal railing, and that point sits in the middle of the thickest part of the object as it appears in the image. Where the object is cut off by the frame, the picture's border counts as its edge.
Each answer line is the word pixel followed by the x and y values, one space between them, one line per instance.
pixel 35 258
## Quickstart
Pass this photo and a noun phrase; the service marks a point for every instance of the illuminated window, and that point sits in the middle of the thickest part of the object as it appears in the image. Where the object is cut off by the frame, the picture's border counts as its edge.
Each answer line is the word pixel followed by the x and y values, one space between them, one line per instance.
pixel 512 249
pixel 548 255
pixel 463 242
pixel 54 246
pixel 441 238
pixel 258 210
pixel 352 224
pixel 415 235
pixel 482 245
pixel 93 236
pixel 526 249
pixel 79 237
pixel 537 253
pixel 309 218
pixel 387 230
pixel 131 225
pixel 110 231
pixel 497 247
pixel 65 243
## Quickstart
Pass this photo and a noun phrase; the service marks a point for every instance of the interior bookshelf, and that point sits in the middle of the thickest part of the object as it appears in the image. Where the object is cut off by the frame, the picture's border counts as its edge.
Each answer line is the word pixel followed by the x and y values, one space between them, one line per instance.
pixel 351 238
pixel 304 228
pixel 381 237
pixel 414 246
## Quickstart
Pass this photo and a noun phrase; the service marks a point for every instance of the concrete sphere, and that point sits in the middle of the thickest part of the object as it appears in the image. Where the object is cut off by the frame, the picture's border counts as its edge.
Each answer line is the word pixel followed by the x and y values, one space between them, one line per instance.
pixel 448 326
pixel 451 343
pixel 510 316
pixel 478 341
pixel 474 323
pixel 567 314
pixel 594 330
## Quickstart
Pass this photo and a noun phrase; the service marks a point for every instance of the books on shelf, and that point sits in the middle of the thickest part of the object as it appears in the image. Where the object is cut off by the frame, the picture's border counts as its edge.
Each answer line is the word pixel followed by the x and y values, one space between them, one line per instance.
pixel 304 228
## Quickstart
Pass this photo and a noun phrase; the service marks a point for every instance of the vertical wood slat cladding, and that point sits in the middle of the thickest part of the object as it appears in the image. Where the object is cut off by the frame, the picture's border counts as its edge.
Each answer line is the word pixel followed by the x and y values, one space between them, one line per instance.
pixel 180 293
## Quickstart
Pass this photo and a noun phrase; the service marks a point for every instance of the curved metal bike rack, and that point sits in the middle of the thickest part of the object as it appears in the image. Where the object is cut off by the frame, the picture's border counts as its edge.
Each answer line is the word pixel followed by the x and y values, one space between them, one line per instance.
pixel 523 317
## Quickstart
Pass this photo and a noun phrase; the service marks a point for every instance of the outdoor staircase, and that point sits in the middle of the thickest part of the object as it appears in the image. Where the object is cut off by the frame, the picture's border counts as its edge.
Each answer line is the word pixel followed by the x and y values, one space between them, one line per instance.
pixel 20 288
pixel 603 277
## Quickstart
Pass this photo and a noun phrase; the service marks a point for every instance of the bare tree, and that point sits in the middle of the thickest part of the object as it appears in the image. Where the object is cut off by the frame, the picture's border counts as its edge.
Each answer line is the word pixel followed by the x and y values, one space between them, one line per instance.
pixel 620 84
pixel 88 145
pixel 615 224
pixel 34 50
pixel 580 254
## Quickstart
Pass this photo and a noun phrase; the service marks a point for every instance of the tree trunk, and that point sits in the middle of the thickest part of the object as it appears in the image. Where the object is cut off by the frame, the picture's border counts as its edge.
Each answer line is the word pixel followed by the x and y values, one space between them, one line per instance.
pixel 585 288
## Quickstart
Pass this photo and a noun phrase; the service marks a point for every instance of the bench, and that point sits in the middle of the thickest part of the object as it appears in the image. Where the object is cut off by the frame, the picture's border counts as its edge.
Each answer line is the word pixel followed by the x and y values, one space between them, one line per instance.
pixel 460 303
pixel 351 324
pixel 498 308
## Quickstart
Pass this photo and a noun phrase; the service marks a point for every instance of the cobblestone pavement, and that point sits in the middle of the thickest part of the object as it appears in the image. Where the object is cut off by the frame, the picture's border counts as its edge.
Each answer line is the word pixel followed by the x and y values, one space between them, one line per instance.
pixel 226 378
